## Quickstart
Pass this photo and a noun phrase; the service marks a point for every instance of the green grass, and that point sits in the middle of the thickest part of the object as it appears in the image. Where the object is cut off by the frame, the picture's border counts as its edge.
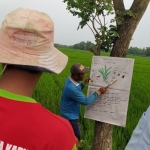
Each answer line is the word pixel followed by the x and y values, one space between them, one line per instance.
pixel 49 89
pixel 138 103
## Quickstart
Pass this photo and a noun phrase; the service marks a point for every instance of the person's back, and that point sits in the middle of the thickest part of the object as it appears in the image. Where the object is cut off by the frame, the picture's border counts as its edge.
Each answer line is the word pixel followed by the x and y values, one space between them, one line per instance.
pixel 26 50
pixel 26 124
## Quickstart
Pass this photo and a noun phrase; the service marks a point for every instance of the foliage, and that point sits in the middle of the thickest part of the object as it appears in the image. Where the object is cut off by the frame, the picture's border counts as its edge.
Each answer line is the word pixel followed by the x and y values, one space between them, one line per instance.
pixel 110 35
pixel 147 51
pixel 85 45
pixel 80 46
pixel 121 15
pixel 95 12
pixel 139 52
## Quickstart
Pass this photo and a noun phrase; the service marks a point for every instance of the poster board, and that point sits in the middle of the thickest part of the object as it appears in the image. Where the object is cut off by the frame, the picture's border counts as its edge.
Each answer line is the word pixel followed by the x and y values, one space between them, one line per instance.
pixel 112 106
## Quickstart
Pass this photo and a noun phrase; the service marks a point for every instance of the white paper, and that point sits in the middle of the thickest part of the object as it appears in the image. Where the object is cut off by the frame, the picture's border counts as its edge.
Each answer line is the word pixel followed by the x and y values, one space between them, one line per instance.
pixel 110 107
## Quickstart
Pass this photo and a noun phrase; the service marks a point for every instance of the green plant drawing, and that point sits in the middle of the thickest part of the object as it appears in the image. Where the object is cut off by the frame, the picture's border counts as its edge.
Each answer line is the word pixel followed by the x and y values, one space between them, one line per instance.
pixel 105 72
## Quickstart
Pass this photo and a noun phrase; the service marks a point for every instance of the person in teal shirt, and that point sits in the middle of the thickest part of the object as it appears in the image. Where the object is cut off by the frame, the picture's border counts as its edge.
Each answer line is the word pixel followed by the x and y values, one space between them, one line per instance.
pixel 72 96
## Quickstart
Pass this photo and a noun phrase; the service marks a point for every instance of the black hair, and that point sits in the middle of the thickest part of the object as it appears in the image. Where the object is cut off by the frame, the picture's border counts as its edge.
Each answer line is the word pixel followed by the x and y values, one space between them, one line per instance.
pixel 30 69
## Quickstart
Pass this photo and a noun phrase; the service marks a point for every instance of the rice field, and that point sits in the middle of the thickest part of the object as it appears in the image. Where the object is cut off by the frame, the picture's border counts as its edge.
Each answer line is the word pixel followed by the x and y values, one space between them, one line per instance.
pixel 50 95
pixel 49 89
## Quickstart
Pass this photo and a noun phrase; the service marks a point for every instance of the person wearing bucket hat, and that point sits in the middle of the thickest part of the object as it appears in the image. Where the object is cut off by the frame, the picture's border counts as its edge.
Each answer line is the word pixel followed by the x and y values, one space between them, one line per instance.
pixel 72 96
pixel 26 50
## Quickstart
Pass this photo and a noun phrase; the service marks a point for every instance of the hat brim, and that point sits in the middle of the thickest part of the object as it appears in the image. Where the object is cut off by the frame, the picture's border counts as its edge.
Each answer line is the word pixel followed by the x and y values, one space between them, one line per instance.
pixel 50 61
pixel 86 69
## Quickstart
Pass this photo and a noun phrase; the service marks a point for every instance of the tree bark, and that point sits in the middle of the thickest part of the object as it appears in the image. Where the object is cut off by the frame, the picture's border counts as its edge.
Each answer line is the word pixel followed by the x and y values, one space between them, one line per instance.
pixel 103 132
pixel 103 136
pixel 127 28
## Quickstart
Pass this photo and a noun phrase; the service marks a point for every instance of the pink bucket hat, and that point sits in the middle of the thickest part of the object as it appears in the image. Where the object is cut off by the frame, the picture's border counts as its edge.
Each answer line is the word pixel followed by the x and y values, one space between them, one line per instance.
pixel 27 39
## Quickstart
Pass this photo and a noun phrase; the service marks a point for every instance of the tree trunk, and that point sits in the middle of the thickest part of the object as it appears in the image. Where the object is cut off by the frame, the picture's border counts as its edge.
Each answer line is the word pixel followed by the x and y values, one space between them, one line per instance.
pixel 121 44
pixel 128 26
pixel 103 136
pixel 103 132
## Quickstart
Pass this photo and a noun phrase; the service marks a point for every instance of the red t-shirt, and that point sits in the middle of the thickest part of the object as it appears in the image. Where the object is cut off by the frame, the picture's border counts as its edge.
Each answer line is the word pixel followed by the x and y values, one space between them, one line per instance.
pixel 26 125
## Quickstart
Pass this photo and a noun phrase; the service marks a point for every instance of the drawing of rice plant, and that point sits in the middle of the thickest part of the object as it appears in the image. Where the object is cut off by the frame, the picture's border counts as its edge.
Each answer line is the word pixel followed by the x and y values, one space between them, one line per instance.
pixel 105 72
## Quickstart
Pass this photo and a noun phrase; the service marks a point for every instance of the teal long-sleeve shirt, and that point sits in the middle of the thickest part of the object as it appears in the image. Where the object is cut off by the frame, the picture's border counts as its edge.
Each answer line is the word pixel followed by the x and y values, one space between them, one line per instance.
pixel 71 99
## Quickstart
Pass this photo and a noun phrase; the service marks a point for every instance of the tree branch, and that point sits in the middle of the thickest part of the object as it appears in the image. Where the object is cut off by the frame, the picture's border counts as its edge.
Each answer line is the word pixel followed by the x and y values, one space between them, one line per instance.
pixel 93 24
pixel 119 5
pixel 90 28
pixel 98 21
pixel 141 4
pixel 92 50
pixel 104 29
pixel 119 9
